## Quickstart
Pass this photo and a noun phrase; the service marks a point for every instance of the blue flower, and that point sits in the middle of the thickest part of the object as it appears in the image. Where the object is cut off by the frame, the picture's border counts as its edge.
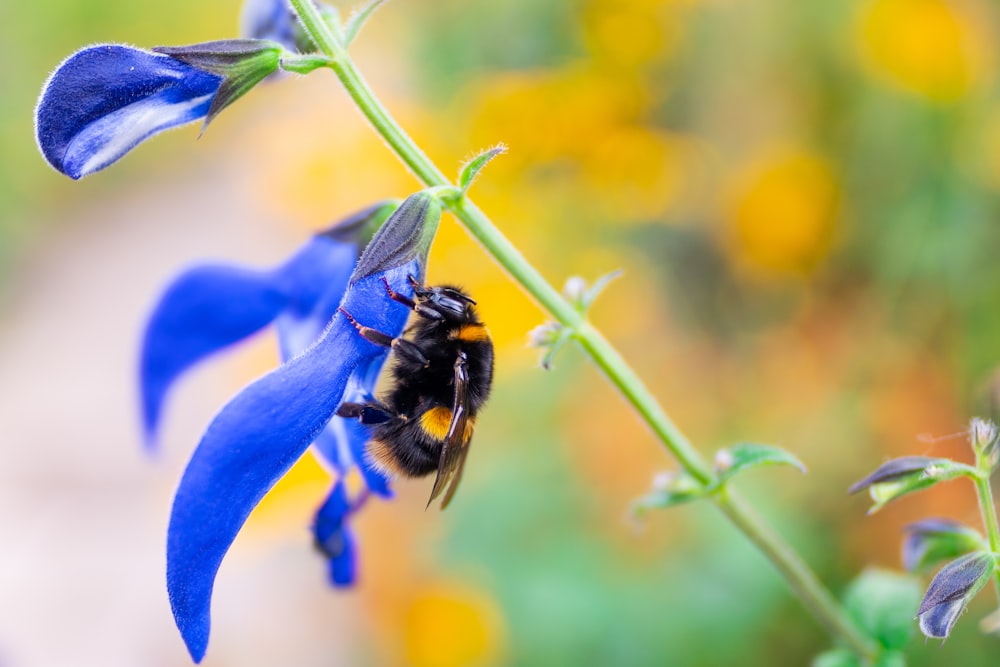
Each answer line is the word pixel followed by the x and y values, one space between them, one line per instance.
pixel 104 100
pixel 259 435
pixel 210 307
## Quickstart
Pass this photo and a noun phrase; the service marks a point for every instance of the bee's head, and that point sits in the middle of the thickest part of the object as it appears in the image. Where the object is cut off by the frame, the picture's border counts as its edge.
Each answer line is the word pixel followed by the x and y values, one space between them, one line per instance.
pixel 450 303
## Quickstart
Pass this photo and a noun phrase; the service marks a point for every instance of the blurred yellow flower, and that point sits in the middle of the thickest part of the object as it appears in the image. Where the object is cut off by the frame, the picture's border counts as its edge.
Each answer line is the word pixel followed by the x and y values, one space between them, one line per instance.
pixel 632 33
pixel 447 626
pixel 545 116
pixel 925 46
pixel 784 211
pixel 637 173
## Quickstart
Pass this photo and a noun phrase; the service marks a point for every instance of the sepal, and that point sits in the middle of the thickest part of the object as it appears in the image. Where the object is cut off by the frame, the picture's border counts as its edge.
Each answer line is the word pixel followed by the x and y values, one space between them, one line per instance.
pixel 242 64
pixel 405 236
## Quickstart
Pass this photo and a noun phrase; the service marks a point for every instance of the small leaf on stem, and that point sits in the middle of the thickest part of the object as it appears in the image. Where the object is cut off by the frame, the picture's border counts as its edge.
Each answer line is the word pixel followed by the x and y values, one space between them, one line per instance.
pixel 471 168
pixel 734 460
pixel 357 20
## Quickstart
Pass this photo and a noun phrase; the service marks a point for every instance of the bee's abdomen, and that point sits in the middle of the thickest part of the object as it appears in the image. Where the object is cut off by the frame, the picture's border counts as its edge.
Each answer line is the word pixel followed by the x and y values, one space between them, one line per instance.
pixel 404 447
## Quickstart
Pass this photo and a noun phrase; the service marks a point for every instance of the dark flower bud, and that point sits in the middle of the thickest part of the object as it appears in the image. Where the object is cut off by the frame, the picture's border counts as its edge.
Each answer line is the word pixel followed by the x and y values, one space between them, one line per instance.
pixel 951 590
pixel 905 475
pixel 932 541
pixel 985 442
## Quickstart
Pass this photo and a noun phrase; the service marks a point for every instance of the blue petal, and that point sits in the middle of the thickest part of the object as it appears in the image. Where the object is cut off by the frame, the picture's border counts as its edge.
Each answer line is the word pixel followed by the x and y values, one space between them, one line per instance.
pixel 315 282
pixel 103 100
pixel 257 437
pixel 203 311
pixel 334 538
pixel 343 441
pixel 210 307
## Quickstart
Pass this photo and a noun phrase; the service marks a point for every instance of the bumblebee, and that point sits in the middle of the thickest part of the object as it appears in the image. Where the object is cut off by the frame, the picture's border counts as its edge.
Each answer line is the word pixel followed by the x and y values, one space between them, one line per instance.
pixel 440 374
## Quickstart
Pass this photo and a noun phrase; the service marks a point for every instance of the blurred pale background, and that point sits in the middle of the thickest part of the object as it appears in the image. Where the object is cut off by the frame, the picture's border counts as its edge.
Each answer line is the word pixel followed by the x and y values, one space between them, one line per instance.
pixel 803 196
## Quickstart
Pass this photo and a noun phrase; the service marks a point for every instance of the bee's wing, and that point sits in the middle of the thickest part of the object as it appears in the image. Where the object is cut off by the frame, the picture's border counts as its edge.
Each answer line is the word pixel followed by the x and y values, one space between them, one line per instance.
pixel 456 442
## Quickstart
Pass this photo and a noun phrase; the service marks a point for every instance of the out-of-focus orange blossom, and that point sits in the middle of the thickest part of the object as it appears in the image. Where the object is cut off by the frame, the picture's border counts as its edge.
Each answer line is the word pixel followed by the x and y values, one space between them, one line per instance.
pixel 934 48
pixel 783 212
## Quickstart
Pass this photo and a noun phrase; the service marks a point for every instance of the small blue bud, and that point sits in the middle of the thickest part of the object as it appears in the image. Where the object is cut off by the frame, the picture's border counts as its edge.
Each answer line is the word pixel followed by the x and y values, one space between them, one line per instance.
pixel 951 590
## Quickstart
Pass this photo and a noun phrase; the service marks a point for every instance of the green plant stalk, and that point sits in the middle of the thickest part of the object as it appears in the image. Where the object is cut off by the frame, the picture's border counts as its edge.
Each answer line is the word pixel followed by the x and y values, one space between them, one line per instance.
pixel 989 512
pixel 801 579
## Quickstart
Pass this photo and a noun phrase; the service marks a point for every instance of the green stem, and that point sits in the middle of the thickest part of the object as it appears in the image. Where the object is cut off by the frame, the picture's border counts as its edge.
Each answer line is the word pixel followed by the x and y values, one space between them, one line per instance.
pixel 989 512
pixel 797 573
pixel 801 579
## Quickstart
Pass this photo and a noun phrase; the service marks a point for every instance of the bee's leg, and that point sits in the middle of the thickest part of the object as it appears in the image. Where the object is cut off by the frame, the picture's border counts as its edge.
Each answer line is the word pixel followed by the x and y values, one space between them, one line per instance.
pixel 402 346
pixel 419 308
pixel 396 296
pixel 366 413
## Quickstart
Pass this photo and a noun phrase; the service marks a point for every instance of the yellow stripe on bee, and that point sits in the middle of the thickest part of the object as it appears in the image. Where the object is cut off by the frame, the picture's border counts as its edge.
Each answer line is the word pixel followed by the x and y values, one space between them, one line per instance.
pixel 470 333
pixel 435 422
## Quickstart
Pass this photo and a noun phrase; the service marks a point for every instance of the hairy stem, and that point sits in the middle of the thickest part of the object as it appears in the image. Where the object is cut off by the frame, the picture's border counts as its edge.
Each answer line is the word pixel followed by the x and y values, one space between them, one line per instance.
pixel 801 579
pixel 989 512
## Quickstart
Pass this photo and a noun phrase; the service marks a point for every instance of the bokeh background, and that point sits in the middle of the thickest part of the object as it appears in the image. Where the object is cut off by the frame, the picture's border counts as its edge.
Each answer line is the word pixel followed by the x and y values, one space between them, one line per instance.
pixel 803 196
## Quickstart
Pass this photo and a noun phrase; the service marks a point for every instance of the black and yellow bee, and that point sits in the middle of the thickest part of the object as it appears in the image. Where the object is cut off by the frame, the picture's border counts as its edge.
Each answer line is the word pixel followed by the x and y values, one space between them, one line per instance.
pixel 440 374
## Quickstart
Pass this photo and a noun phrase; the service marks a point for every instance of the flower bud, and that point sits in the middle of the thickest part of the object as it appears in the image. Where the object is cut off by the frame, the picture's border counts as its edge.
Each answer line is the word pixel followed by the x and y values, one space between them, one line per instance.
pixel 951 590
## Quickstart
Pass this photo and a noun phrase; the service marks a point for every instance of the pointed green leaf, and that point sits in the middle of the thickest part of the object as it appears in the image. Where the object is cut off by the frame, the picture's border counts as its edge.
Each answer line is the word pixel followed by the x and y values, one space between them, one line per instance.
pixel 471 168
pixel 734 460
pixel 357 20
